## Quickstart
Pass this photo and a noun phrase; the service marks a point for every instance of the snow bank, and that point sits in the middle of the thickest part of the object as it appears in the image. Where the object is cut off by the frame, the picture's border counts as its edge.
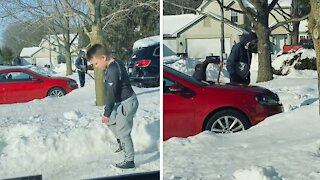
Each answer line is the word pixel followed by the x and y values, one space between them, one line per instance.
pixel 299 60
pixel 280 61
pixel 257 173
pixel 63 138
pixel 145 42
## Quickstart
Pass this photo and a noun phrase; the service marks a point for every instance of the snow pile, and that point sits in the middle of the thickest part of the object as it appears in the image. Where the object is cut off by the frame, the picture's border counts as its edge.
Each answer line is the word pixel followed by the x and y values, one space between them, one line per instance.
pixel 187 66
pixel 145 42
pixel 257 173
pixel 299 60
pixel 170 59
pixel 307 53
pixel 63 138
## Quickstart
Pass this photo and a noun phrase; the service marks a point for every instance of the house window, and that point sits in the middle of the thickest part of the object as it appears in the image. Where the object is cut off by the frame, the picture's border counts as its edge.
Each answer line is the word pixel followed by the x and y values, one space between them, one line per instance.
pixel 206 22
pixel 234 16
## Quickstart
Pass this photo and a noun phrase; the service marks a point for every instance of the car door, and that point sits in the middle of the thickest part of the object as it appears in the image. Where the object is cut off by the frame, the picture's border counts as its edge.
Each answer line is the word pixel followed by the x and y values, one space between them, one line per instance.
pixel 178 109
pixel 22 87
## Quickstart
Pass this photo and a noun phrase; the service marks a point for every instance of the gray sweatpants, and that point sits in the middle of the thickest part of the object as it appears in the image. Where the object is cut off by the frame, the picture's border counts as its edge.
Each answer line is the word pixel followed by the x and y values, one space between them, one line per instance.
pixel 120 123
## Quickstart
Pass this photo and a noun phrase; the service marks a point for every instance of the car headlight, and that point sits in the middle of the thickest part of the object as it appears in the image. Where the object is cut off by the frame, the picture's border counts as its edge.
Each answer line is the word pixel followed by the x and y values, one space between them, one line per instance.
pixel 72 83
pixel 268 99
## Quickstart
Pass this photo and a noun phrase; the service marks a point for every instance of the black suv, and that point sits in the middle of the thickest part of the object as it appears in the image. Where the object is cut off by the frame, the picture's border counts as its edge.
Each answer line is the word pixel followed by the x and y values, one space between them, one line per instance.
pixel 144 66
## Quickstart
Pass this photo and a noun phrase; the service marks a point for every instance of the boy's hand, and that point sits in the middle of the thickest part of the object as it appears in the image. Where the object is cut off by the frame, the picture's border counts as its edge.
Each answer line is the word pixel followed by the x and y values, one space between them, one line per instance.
pixel 105 119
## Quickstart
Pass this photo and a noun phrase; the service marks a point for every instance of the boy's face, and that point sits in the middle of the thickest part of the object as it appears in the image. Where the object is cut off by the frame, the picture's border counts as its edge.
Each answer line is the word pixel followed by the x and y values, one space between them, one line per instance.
pixel 100 61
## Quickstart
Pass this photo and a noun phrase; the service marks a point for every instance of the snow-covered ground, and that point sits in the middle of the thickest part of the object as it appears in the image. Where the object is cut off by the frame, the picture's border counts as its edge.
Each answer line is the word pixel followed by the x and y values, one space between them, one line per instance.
pixel 63 138
pixel 285 146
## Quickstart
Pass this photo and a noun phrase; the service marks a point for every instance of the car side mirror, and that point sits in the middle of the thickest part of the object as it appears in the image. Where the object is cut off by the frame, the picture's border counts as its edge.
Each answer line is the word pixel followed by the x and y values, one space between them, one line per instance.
pixel 175 88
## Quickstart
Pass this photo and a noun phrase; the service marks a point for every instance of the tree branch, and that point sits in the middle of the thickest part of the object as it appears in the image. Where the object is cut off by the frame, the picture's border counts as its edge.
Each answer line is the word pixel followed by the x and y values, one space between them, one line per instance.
pixel 247 11
pixel 271 5
pixel 288 21
pixel 79 13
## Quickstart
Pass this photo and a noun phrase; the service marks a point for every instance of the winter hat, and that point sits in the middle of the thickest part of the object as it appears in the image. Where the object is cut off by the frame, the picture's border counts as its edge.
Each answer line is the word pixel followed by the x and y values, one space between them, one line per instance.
pixel 82 53
pixel 244 39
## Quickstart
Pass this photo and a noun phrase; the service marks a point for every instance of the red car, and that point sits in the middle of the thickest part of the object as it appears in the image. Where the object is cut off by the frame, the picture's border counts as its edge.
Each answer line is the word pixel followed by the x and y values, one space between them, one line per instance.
pixel 23 85
pixel 191 106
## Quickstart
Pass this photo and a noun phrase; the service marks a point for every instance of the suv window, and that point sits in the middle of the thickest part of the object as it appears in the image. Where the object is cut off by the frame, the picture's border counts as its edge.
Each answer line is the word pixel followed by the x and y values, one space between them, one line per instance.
pixel 156 52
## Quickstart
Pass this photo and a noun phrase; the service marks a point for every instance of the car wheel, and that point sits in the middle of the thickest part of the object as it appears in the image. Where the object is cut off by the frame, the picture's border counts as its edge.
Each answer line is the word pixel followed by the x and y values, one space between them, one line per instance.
pixel 227 121
pixel 56 92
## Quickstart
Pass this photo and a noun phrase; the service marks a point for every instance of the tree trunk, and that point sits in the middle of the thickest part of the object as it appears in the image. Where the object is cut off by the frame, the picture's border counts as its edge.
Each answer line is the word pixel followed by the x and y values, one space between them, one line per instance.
pixel 96 37
pixel 264 70
pixel 67 56
pixel 295 33
pixel 67 53
pixel 314 27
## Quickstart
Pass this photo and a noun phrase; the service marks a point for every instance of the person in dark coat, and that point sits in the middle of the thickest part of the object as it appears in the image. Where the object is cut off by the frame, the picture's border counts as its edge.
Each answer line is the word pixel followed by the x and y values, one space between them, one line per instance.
pixel 200 69
pixel 239 60
pixel 82 67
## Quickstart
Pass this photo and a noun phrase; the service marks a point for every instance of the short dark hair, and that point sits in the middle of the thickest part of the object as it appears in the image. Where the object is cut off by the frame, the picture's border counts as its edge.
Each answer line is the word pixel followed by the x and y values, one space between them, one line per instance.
pixel 97 50
pixel 197 67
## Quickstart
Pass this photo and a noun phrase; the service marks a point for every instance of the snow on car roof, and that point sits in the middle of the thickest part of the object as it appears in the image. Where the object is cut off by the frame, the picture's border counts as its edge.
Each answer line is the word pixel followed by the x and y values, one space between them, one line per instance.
pixel 145 42
pixel 39 70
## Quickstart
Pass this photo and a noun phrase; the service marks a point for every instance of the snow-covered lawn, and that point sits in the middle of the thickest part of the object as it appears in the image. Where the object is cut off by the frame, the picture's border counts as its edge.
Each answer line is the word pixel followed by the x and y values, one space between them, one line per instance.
pixel 284 146
pixel 63 138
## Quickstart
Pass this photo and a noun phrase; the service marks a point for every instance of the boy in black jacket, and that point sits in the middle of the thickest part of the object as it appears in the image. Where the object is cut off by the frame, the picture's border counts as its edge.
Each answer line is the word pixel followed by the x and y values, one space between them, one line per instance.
pixel 121 101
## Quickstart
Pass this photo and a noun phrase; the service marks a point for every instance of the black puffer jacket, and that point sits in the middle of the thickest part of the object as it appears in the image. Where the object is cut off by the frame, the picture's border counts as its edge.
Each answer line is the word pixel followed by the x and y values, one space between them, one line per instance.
pixel 239 59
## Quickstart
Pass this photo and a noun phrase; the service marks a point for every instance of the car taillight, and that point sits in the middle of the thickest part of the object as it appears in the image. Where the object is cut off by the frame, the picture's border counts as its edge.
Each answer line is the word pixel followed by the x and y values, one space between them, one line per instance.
pixel 143 63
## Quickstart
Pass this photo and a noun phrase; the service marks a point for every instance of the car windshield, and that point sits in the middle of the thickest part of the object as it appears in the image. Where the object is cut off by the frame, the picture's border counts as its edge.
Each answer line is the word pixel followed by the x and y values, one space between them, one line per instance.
pixel 39 71
pixel 183 76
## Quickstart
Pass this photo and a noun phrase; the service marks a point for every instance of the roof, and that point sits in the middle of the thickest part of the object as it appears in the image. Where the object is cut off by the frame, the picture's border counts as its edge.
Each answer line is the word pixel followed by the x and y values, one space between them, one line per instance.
pixel 29 51
pixel 246 3
pixel 176 23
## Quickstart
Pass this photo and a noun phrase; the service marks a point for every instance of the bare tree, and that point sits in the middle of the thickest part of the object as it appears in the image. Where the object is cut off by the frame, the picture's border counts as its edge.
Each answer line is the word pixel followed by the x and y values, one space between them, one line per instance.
pixel 49 14
pixel 93 22
pixel 88 13
pixel 314 28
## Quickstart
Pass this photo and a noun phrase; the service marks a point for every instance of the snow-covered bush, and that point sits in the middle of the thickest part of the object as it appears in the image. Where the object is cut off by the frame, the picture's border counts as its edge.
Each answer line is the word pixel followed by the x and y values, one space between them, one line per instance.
pixel 303 59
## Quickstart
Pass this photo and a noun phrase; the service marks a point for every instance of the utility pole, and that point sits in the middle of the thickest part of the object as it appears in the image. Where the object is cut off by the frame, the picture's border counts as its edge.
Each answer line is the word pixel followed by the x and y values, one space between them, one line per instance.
pixel 221 3
pixel 50 51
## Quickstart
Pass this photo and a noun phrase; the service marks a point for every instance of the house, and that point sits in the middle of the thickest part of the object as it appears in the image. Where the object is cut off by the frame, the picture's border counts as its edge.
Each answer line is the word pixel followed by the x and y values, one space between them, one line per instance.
pixel 27 55
pixel 199 36
pixel 49 52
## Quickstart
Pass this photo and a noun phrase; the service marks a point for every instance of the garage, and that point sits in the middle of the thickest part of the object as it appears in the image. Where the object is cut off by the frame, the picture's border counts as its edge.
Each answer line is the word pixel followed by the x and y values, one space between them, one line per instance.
pixel 200 48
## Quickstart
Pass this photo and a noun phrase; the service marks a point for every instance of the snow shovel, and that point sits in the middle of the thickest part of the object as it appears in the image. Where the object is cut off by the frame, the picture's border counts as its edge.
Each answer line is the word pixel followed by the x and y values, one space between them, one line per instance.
pixel 90 75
